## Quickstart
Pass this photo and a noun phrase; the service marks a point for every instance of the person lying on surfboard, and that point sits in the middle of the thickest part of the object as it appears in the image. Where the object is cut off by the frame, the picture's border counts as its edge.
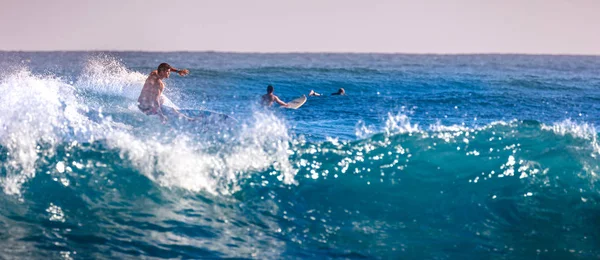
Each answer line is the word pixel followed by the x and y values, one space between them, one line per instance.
pixel 269 98
pixel 313 93
pixel 150 101
pixel 341 92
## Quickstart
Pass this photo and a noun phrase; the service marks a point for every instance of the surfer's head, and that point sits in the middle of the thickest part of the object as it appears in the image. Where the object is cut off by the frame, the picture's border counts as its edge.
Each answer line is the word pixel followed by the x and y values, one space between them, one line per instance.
pixel 164 70
pixel 270 89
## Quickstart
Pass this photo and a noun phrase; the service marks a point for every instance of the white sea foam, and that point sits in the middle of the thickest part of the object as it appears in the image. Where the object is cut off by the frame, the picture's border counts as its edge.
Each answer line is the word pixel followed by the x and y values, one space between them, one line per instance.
pixel 575 129
pixel 38 113
pixel 399 124
pixel 188 165
pixel 580 130
pixel 362 130
pixel 108 76
pixel 35 111
pixel 394 124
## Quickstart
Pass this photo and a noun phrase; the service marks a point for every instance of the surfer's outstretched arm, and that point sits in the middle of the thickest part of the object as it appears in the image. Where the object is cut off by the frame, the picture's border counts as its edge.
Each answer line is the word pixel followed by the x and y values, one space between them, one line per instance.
pixel 281 103
pixel 182 72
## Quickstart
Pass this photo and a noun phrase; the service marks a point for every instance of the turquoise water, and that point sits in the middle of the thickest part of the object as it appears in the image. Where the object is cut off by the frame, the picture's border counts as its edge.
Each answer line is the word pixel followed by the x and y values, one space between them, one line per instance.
pixel 427 156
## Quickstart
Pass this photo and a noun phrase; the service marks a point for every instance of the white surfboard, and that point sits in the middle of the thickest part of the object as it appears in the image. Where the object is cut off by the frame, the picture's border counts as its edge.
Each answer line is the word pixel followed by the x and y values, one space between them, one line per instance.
pixel 296 103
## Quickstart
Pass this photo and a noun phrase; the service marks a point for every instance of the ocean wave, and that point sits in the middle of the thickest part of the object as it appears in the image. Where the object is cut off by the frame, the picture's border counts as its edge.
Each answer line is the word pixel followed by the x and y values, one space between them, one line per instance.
pixel 90 176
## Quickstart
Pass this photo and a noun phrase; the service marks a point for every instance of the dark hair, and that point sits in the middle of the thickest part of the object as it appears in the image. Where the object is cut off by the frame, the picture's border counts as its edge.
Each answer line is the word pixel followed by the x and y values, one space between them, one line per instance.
pixel 164 67
pixel 270 89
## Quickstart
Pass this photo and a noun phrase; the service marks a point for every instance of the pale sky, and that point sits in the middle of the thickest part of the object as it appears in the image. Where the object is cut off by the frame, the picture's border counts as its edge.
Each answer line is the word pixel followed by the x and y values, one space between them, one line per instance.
pixel 394 26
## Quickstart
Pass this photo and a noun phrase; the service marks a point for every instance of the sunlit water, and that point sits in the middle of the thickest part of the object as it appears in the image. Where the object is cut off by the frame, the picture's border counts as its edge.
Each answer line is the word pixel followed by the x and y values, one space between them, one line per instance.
pixel 427 156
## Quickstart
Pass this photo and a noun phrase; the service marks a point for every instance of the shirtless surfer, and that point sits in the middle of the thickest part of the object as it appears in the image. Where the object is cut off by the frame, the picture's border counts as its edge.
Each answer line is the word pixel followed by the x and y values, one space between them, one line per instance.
pixel 150 101
pixel 269 98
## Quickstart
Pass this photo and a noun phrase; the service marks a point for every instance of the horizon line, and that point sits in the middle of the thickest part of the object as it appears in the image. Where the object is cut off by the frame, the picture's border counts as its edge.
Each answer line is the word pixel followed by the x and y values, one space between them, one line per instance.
pixel 319 52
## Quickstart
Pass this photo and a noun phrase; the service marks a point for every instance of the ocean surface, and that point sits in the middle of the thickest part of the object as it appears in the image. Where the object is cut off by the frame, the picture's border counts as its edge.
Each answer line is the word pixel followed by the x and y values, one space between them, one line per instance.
pixel 426 157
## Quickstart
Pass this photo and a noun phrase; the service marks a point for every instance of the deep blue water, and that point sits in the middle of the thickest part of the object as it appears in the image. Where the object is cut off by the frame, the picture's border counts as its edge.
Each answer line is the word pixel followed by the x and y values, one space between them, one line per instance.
pixel 427 156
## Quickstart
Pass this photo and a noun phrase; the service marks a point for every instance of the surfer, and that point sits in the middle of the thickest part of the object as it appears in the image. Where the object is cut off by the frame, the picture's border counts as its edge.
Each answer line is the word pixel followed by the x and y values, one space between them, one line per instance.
pixel 150 101
pixel 313 93
pixel 269 98
pixel 340 92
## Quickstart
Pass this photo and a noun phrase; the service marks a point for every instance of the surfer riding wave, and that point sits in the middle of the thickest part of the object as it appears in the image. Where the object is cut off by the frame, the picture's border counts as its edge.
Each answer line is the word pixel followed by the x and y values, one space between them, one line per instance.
pixel 151 101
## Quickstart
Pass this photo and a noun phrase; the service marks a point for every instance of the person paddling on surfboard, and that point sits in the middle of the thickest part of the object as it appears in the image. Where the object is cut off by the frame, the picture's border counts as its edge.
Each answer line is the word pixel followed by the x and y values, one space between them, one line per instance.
pixel 340 92
pixel 313 93
pixel 150 101
pixel 269 98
